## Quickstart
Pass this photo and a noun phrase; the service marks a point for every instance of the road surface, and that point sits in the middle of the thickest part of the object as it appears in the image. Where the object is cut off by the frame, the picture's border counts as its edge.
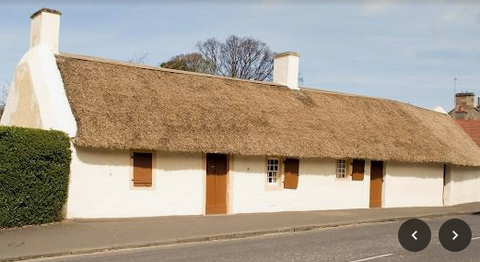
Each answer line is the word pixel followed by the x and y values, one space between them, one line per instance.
pixel 373 242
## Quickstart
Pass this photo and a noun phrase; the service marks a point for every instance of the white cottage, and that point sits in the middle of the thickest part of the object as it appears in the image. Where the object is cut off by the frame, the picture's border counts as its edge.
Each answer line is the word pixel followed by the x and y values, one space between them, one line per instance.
pixel 150 141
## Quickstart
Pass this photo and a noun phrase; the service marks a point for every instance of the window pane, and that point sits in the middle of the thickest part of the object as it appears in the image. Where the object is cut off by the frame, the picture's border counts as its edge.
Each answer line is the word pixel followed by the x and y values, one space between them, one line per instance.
pixel 341 168
pixel 272 170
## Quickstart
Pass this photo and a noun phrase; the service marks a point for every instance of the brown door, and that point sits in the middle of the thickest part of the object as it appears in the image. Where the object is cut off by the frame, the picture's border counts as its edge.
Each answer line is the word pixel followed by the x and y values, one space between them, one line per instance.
pixel 291 173
pixel 376 181
pixel 216 184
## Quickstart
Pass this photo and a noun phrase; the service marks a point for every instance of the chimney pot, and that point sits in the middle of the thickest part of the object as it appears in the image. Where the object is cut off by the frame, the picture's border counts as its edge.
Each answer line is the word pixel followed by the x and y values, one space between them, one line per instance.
pixel 45 28
pixel 285 69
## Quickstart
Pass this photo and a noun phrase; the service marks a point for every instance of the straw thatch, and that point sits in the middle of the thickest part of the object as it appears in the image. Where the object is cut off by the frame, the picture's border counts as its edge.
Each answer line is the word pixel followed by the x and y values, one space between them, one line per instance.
pixel 124 106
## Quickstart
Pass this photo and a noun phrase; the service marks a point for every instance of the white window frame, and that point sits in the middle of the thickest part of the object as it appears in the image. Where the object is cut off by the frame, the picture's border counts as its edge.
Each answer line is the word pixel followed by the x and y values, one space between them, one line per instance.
pixel 270 170
pixel 341 168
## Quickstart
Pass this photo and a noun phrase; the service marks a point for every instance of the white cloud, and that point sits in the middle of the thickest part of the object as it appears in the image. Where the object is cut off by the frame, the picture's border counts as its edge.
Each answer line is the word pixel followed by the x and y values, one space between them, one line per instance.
pixel 409 53
pixel 379 7
pixel 266 4
pixel 455 17
pixel 453 14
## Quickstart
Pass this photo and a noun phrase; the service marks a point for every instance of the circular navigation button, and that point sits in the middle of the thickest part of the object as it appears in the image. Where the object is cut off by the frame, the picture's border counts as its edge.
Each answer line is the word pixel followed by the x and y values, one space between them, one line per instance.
pixel 455 235
pixel 414 235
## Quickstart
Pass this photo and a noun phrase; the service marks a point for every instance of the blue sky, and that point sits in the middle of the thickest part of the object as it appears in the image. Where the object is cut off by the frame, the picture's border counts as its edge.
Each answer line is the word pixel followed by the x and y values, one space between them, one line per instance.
pixel 400 50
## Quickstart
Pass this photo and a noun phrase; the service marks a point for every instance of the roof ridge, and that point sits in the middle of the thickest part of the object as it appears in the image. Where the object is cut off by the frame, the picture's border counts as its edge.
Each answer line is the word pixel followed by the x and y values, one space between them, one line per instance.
pixel 168 70
pixel 365 96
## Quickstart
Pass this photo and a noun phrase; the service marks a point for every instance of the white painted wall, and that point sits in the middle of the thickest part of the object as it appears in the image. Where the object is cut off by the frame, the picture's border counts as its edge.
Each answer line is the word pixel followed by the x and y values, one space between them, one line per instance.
pixel 408 185
pixel 37 96
pixel 45 30
pixel 101 186
pixel 462 185
pixel 318 188
pixel 285 69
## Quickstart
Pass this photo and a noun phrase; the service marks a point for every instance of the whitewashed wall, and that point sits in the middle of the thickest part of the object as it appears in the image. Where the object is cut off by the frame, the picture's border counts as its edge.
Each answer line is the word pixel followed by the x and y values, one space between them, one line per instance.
pixel 37 96
pixel 318 188
pixel 407 184
pixel 101 186
pixel 462 185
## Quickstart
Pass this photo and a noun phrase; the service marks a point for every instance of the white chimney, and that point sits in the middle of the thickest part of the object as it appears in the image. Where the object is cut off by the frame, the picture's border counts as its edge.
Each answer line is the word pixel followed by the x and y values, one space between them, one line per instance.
pixel 285 69
pixel 45 28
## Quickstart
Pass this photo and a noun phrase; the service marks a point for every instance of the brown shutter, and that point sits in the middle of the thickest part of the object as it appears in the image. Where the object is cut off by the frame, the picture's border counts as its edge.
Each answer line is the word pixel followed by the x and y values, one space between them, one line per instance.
pixel 291 173
pixel 358 171
pixel 142 169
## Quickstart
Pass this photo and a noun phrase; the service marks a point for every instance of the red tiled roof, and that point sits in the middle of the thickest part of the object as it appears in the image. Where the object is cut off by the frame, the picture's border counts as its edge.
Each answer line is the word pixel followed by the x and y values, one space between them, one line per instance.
pixel 472 128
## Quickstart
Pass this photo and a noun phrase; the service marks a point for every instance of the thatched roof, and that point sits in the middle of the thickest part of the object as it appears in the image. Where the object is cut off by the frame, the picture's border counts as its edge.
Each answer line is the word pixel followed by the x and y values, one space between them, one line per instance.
pixel 125 106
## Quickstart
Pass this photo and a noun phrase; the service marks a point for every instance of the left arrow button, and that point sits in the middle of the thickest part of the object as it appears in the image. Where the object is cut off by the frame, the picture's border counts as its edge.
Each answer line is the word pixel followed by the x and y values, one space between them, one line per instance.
pixel 413 235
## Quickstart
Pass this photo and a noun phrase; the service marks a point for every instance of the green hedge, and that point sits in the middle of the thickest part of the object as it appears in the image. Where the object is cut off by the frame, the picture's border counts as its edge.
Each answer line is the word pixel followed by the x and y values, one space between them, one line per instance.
pixel 34 174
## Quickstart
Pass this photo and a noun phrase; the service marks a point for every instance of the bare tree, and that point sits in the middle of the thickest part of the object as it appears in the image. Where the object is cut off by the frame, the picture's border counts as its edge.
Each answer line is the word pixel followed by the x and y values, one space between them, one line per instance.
pixel 241 57
pixel 193 62
pixel 139 58
pixel 3 96
pixel 246 58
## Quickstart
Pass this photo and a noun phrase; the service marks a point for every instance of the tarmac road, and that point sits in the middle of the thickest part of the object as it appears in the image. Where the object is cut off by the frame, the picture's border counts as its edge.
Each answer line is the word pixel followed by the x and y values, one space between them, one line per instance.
pixel 374 242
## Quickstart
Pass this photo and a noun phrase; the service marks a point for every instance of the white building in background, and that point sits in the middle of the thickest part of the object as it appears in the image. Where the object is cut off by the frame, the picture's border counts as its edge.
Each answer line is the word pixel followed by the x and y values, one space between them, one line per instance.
pixel 156 142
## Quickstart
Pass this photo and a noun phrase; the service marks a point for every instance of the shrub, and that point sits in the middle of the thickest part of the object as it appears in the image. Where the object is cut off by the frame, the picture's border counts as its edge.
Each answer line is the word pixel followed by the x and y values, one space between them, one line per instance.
pixel 34 175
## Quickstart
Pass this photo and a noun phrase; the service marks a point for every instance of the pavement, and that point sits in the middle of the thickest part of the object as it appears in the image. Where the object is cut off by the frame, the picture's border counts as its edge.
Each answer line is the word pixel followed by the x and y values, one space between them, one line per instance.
pixel 91 236
pixel 365 242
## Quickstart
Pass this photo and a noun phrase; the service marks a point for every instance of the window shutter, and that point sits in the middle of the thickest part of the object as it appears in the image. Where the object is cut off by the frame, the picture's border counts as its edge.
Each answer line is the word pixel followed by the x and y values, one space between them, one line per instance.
pixel 291 173
pixel 358 171
pixel 142 169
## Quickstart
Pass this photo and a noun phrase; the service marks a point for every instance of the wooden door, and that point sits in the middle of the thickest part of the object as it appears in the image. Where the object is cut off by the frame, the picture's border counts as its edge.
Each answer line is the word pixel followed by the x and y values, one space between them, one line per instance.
pixel 216 202
pixel 376 183
pixel 291 173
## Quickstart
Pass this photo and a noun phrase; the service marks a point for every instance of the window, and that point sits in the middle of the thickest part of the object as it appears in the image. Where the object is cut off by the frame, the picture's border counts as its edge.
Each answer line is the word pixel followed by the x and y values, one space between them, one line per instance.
pixel 273 168
pixel 341 170
pixel 142 169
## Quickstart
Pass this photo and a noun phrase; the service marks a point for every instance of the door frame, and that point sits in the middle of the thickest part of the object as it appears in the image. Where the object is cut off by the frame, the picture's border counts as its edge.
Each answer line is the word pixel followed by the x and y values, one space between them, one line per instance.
pixel 382 186
pixel 229 164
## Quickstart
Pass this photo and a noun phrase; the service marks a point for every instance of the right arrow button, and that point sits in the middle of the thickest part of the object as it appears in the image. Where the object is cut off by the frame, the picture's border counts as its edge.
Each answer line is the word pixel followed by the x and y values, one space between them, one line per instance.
pixel 462 235
pixel 456 235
